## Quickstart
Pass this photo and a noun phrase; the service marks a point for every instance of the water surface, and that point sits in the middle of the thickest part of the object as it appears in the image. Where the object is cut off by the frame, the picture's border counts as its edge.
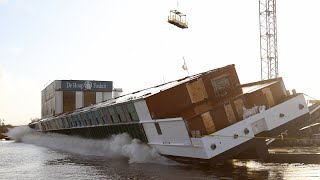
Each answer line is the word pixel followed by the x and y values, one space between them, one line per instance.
pixel 53 156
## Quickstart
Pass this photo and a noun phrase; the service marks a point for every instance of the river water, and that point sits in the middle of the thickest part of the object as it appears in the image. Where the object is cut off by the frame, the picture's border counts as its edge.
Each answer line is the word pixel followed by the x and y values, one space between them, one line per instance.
pixel 54 156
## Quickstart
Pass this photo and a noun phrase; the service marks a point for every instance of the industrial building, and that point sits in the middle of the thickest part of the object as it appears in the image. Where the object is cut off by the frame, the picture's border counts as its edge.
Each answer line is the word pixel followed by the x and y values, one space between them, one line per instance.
pixel 67 95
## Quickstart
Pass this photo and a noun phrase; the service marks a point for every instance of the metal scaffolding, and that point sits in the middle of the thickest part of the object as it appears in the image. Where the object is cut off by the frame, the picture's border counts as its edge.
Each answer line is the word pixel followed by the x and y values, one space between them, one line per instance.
pixel 268 39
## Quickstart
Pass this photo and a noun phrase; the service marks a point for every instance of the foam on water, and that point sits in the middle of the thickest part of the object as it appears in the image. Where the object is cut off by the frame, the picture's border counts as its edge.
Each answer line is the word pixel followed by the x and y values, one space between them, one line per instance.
pixel 117 146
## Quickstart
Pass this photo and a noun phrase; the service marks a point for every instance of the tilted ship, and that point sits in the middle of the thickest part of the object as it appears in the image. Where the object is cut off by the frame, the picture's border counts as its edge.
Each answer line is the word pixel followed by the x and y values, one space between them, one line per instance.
pixel 207 117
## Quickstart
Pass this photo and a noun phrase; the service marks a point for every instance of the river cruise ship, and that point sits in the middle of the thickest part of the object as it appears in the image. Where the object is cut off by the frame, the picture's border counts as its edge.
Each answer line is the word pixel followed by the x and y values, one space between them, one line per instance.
pixel 206 117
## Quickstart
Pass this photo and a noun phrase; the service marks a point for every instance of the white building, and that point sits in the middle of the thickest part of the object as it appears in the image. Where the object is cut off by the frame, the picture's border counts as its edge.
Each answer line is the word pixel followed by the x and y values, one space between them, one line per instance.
pixel 67 95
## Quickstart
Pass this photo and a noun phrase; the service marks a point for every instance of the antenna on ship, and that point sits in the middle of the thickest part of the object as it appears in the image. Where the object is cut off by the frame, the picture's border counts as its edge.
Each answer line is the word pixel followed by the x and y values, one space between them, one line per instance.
pixel 184 66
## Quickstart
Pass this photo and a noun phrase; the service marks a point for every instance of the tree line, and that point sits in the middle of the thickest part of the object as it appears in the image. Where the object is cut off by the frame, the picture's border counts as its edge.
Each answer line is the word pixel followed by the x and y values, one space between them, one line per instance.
pixel 4 128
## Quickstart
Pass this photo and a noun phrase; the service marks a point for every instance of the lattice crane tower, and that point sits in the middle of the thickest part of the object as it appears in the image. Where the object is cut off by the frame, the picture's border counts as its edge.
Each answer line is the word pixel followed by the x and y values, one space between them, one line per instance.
pixel 268 39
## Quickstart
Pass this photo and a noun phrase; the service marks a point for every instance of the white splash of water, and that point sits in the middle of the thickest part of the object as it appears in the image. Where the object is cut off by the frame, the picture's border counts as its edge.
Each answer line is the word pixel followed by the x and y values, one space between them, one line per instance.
pixel 18 132
pixel 121 145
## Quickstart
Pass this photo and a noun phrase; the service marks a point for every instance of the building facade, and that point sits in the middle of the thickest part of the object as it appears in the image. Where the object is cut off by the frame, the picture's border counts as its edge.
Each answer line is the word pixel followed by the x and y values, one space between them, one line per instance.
pixel 67 95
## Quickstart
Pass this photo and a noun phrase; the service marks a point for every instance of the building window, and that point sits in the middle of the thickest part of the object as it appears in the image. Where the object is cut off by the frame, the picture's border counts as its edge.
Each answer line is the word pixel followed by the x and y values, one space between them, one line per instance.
pixel 221 86
pixel 158 128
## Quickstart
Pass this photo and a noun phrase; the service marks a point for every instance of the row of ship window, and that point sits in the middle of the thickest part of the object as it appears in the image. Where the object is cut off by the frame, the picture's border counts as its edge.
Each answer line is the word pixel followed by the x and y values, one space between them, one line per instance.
pixel 94 117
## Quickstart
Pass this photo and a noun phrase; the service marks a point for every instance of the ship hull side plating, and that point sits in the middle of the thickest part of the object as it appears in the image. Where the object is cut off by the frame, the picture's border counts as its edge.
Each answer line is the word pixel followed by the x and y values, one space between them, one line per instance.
pixel 135 130
pixel 254 148
pixel 243 135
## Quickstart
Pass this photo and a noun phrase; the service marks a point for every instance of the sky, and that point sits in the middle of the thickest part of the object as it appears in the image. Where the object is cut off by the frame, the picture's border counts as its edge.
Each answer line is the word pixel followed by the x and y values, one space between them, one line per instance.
pixel 130 43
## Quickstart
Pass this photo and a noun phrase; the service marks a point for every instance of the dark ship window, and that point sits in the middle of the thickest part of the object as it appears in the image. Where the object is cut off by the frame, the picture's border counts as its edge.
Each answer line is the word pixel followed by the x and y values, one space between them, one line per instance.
pixel 132 112
pixel 85 119
pixel 158 128
pixel 107 115
pixel 56 124
pixel 62 122
pixel 113 115
pixel 78 120
pixel 120 113
pixel 83 122
pixel 49 124
pixel 91 118
pixel 98 116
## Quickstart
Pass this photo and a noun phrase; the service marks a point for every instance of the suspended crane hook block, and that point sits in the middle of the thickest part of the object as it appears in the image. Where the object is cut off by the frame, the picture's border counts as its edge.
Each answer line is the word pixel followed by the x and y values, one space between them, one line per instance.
pixel 178 19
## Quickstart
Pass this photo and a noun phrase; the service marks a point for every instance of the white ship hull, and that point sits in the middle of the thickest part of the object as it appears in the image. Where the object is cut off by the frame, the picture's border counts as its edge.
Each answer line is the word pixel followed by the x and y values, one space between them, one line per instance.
pixel 175 141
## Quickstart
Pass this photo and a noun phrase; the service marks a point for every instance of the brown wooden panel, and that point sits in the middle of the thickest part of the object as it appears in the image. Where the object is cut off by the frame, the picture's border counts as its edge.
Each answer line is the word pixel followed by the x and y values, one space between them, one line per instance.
pixel 267 93
pixel 69 101
pixel 255 99
pixel 229 112
pixel 188 114
pixel 89 98
pixel 196 124
pixel 220 118
pixel 208 122
pixel 169 103
pixel 278 91
pixel 239 107
pixel 204 107
pixel 197 91
pixel 269 96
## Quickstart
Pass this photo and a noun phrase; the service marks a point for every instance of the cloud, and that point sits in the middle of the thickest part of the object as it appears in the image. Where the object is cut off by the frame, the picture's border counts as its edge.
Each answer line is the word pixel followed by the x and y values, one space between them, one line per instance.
pixel 3 2
pixel 16 51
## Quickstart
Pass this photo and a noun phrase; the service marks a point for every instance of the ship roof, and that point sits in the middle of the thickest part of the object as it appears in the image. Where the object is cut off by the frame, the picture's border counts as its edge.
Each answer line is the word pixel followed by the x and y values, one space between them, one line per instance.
pixel 144 93
pixel 256 87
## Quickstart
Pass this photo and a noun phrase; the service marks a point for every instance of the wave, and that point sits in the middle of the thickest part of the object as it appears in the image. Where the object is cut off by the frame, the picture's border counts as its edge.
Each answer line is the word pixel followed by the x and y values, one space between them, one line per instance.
pixel 117 146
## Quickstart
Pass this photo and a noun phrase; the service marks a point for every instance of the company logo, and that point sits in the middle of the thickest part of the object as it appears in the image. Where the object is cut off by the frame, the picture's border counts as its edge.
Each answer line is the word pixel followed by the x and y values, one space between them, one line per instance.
pixel 87 85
